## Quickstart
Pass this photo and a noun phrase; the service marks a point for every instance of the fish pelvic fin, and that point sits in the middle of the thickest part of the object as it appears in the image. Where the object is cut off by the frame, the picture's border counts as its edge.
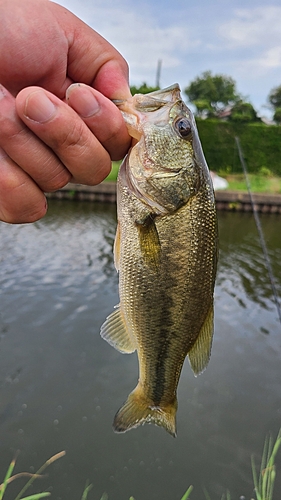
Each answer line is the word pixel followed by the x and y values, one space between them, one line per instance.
pixel 138 410
pixel 200 353
pixel 115 332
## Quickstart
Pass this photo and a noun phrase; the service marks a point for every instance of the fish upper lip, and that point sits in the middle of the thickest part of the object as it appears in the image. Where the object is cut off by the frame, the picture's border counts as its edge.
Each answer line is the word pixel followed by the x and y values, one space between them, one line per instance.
pixel 118 102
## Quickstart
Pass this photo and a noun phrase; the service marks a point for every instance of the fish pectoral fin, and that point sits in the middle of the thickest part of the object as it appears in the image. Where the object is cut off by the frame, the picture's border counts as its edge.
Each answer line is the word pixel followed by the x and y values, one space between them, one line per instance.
pixel 149 242
pixel 114 331
pixel 137 410
pixel 116 248
pixel 200 353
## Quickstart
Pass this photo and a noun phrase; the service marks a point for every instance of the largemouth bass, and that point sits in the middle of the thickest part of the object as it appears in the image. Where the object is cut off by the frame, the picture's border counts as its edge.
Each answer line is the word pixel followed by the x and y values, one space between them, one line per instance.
pixel 166 253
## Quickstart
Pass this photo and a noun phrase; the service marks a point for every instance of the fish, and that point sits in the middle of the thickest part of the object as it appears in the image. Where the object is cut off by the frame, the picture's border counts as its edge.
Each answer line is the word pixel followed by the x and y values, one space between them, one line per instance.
pixel 165 251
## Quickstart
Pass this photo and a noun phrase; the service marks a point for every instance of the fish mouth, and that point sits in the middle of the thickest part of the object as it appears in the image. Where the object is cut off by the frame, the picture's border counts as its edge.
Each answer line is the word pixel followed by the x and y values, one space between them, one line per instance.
pixel 168 94
pixel 140 107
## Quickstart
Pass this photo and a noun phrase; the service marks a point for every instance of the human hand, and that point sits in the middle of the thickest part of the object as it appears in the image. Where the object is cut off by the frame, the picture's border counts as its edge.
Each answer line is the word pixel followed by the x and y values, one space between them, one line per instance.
pixel 47 140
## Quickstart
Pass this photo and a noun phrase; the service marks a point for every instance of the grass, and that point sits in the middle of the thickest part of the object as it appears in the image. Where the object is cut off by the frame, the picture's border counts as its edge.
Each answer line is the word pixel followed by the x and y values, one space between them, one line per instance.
pixel 9 478
pixel 32 477
pixel 259 183
pixel 263 479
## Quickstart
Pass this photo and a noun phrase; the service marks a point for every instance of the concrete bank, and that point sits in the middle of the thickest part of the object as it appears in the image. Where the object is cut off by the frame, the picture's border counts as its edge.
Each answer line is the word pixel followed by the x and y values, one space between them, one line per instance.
pixel 226 200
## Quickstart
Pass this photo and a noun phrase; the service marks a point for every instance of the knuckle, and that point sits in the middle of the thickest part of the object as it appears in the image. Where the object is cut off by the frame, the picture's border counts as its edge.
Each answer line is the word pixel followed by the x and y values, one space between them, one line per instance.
pixel 72 140
pixel 30 209
pixel 9 128
pixel 20 199
pixel 52 175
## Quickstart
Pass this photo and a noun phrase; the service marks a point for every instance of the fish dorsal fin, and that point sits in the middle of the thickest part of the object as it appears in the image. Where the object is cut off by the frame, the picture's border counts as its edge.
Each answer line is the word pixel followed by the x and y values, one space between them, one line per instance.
pixel 149 242
pixel 116 248
pixel 200 353
pixel 114 331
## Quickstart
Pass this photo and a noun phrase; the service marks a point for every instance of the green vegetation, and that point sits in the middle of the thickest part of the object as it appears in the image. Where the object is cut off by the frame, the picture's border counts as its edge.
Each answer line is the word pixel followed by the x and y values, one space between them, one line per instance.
pixel 259 183
pixel 275 97
pixel 212 93
pixel 142 89
pixel 277 116
pixel 32 477
pixel 243 112
pixel 9 478
pixel 261 145
pixel 114 171
pixel 263 480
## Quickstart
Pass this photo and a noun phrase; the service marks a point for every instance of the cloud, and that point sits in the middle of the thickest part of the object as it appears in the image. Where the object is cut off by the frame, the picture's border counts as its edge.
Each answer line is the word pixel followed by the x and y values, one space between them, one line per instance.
pixel 258 27
pixel 142 40
pixel 242 42
pixel 253 40
pixel 140 36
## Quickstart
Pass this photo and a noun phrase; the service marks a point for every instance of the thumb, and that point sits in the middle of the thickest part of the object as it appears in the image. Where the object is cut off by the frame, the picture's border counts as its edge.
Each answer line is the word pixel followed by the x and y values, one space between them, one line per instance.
pixel 91 58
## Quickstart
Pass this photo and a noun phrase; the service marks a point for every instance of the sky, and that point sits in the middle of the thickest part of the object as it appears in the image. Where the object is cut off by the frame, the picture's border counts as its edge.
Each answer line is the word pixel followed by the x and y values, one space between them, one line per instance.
pixel 240 38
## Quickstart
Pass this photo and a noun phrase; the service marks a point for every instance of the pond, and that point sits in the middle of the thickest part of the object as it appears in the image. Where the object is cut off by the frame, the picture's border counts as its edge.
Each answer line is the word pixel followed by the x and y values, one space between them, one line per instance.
pixel 61 384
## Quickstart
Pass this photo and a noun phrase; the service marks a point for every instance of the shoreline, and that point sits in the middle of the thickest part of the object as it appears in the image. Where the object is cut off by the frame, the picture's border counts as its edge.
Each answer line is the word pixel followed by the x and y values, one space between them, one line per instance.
pixel 225 200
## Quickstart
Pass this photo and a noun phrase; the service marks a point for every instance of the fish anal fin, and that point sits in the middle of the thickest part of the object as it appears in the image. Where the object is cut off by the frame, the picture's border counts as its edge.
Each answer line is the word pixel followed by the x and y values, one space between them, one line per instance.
pixel 138 410
pixel 149 242
pixel 114 331
pixel 116 248
pixel 199 354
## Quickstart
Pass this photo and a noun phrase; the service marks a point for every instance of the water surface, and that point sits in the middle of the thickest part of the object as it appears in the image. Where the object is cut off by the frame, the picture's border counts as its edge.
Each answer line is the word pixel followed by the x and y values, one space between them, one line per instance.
pixel 61 384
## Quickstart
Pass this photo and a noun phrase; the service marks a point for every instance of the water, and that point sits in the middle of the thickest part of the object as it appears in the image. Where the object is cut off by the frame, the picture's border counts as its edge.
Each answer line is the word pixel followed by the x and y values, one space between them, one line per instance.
pixel 61 384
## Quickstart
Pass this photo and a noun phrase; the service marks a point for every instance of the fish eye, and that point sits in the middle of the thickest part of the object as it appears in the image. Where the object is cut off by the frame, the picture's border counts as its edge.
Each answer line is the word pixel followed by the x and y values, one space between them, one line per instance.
pixel 183 127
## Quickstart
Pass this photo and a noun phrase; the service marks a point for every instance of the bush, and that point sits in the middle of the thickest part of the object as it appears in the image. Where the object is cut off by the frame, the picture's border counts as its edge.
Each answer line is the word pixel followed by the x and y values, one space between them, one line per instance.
pixel 261 145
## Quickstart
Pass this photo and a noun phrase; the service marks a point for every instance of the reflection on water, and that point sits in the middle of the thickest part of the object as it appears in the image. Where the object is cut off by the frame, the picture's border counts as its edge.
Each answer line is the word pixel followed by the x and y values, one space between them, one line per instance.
pixel 61 383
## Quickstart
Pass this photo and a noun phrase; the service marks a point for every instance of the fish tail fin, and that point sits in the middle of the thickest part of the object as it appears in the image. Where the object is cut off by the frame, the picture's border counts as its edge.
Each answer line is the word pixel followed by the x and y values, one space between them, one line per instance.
pixel 138 410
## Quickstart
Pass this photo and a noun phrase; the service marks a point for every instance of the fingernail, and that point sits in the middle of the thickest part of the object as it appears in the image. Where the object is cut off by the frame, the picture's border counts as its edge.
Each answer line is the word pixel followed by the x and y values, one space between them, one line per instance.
pixel 82 100
pixel 38 107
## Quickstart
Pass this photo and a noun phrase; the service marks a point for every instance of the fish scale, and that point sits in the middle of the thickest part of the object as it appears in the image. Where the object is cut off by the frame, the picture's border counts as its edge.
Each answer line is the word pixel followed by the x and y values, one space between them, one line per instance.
pixel 166 254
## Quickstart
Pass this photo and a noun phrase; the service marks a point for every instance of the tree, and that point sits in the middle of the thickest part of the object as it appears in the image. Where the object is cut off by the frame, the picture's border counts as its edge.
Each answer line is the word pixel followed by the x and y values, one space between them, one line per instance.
pixel 217 91
pixel 277 116
pixel 275 97
pixel 142 89
pixel 243 112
